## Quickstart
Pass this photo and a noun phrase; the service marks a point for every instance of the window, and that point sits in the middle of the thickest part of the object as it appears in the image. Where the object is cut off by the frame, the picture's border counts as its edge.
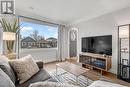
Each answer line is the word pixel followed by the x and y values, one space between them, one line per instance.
pixel 45 36
pixel 40 40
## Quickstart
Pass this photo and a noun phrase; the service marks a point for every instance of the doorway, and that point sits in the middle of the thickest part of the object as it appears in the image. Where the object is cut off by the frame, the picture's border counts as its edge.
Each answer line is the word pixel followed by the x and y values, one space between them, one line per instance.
pixel 73 33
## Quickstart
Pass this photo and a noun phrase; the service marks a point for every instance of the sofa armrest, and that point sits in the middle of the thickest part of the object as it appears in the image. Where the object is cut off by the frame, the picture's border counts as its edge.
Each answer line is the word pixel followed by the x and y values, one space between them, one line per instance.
pixel 40 64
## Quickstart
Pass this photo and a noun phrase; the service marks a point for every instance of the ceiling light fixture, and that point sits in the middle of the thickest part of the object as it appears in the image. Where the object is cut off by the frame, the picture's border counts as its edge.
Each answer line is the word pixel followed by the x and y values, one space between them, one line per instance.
pixel 31 7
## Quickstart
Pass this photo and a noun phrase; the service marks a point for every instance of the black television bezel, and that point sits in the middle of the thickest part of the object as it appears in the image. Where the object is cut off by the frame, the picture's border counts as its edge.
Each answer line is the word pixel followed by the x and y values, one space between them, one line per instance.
pixel 93 37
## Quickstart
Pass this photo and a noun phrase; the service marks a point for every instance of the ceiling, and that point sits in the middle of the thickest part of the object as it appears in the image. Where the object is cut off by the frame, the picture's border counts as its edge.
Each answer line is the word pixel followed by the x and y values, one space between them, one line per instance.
pixel 70 11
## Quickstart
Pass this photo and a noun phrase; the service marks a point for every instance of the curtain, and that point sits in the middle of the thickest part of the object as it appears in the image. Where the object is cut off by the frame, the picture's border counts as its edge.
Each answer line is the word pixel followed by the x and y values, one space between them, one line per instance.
pixel 1 41
pixel 61 43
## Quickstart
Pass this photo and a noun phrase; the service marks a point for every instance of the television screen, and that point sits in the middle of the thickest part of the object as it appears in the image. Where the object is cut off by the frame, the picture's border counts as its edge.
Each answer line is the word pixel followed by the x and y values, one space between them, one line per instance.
pixel 98 44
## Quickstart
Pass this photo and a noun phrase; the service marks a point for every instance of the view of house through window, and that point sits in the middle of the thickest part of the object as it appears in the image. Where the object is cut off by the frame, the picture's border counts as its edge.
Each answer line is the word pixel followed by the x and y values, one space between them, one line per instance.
pixel 37 39
pixel 38 36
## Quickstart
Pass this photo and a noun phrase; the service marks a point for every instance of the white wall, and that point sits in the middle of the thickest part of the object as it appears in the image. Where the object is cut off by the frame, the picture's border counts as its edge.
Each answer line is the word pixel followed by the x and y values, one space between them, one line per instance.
pixel 31 15
pixel 105 25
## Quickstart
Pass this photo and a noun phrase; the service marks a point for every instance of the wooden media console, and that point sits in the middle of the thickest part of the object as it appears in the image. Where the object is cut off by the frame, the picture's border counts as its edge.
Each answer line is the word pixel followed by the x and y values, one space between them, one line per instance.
pixel 97 61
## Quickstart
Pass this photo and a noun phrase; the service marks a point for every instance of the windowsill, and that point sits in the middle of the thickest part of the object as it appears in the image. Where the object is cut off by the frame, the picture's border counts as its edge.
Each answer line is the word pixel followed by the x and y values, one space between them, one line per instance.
pixel 39 48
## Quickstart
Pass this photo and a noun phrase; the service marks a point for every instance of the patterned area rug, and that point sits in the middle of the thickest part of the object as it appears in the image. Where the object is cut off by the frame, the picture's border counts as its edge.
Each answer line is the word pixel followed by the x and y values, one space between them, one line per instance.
pixel 65 77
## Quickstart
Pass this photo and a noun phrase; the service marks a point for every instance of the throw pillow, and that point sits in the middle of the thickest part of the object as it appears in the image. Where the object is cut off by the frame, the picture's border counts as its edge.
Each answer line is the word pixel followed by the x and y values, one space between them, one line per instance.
pixel 25 68
pixel 5 80
pixel 51 84
pixel 4 65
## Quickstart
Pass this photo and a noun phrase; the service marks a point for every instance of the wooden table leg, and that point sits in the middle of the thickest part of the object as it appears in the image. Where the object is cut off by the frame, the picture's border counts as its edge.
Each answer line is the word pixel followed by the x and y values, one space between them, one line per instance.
pixel 77 82
pixel 101 73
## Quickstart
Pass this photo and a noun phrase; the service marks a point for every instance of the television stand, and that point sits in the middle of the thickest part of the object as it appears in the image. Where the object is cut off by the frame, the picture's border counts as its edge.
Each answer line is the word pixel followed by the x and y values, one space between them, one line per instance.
pixel 97 61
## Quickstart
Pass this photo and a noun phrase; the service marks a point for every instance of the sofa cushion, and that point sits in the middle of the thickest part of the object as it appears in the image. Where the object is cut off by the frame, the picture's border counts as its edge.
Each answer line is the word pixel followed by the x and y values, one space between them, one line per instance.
pixel 51 84
pixel 25 68
pixel 4 65
pixel 41 76
pixel 5 81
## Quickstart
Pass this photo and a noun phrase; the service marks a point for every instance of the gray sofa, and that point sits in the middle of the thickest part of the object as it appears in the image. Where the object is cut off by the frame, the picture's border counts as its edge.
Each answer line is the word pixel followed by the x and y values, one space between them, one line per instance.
pixel 41 76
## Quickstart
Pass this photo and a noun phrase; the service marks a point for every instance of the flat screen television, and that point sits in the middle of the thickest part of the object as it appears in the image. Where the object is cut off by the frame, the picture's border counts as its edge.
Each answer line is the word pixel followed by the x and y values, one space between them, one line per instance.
pixel 97 44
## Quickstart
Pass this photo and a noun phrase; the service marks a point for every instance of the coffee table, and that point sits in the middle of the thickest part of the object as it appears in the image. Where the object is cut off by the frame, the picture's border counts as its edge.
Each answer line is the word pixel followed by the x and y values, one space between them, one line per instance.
pixel 74 69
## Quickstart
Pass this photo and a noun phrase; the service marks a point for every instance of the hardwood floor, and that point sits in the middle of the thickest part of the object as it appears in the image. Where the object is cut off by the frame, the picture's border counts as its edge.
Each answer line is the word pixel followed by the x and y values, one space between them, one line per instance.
pixel 92 74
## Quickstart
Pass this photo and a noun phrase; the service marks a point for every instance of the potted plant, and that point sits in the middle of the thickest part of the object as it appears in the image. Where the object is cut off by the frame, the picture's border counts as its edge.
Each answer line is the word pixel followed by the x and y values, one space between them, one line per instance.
pixel 9 28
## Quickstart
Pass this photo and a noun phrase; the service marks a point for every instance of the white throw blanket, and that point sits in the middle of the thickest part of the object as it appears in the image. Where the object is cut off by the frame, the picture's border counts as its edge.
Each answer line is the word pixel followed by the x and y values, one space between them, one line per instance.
pixel 100 83
pixel 51 84
pixel 57 84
